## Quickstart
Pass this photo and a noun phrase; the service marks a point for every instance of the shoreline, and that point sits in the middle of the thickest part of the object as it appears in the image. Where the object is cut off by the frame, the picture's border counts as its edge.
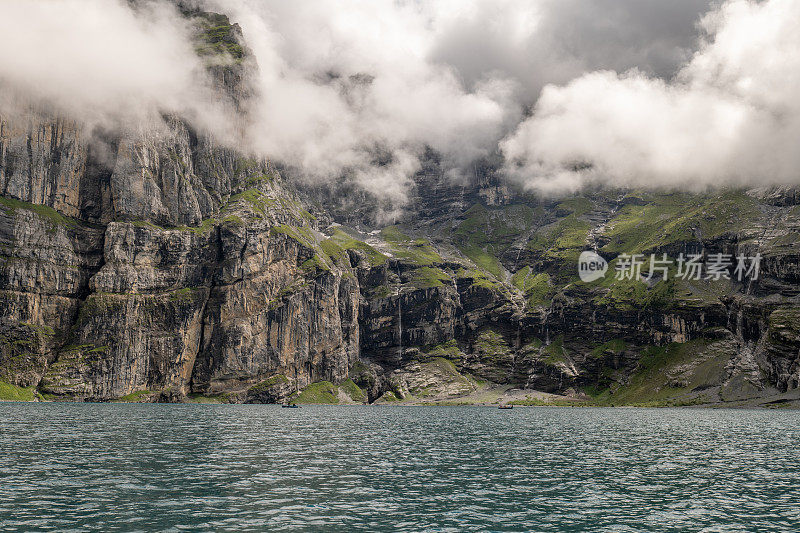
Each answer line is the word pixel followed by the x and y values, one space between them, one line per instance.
pixel 759 404
pixel 485 395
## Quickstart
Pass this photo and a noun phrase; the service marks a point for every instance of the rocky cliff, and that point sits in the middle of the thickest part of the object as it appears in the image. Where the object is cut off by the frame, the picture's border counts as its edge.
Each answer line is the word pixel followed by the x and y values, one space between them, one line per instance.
pixel 154 264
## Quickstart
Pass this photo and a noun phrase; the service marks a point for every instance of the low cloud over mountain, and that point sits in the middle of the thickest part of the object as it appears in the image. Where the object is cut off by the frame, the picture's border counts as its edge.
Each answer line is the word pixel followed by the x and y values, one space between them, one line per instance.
pixel 633 93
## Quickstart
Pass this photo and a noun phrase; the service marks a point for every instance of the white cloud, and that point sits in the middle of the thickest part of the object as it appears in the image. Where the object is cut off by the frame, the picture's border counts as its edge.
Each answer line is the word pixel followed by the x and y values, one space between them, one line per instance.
pixel 554 41
pixel 731 115
pixel 343 82
pixel 451 75
pixel 363 87
pixel 101 60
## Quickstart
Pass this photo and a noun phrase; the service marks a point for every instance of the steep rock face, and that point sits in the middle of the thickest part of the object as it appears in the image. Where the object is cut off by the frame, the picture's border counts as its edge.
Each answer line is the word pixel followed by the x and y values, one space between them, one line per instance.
pixel 150 343
pixel 524 318
pixel 155 176
pixel 211 309
pixel 155 262
pixel 273 312
pixel 46 264
pixel 43 160
pixel 158 261
pixel 183 261
pixel 783 348
pixel 410 318
pixel 140 327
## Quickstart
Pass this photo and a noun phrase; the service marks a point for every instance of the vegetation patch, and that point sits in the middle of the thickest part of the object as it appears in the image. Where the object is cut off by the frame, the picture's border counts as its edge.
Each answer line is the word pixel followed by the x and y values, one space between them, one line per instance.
pixel 492 346
pixel 41 329
pixel 13 393
pixel 100 303
pixel 217 36
pixel 577 205
pixel 302 235
pixel 655 381
pixel 332 250
pixel 147 224
pixel 317 263
pixel 614 346
pixel 678 217
pixel 340 241
pixel 635 294
pixel 429 277
pixel 445 366
pixel 255 199
pixel 49 214
pixel 267 384
pixel 233 219
pixel 554 402
pixel 390 396
pixel 353 391
pixel 418 252
pixel 480 279
pixel 135 397
pixel 211 398
pixel 319 392
pixel 554 352
pixel 394 234
pixel 447 350
pixel 536 287
pixel 563 241
pixel 204 227
pixel 361 373
pixel 258 179
pixel 483 259
pixel 184 295
pixel 485 234
pixel 381 291
pixel 247 166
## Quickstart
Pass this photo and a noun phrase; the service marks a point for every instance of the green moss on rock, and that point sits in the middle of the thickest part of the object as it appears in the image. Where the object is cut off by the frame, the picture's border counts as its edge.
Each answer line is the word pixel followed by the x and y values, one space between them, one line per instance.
pixel 429 277
pixel 217 36
pixel 255 199
pixel 418 252
pixel 563 241
pixel 13 393
pixel 485 234
pixel 446 350
pixel 669 218
pixel 353 391
pixel 492 346
pixel 268 384
pixel 536 287
pixel 614 346
pixel 48 214
pixel 651 383
pixel 135 397
pixel 319 392
pixel 340 240
pixel 554 352
pixel 389 397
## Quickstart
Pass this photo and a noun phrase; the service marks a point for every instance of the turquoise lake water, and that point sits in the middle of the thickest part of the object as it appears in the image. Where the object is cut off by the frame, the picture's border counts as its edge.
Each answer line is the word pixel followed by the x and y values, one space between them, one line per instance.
pixel 143 467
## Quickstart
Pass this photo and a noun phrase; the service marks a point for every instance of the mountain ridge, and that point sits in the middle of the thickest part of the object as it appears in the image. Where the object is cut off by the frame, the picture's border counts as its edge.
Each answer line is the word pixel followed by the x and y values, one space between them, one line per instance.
pixel 159 265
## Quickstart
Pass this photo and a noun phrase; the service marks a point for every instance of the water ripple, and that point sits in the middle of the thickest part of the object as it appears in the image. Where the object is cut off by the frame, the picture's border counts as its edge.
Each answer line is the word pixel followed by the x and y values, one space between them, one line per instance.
pixel 123 467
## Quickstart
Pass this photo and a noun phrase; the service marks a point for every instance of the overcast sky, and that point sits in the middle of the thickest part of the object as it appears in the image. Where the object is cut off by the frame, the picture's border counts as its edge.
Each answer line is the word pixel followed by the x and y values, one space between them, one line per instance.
pixel 645 93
